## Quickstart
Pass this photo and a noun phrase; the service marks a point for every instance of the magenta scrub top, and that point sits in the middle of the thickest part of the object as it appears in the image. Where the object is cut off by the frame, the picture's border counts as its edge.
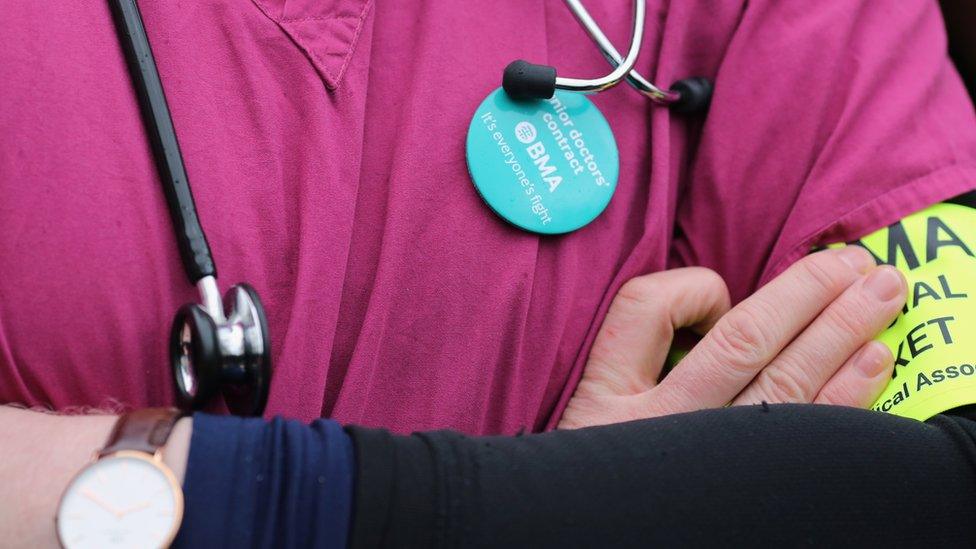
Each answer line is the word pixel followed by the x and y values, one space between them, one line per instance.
pixel 324 141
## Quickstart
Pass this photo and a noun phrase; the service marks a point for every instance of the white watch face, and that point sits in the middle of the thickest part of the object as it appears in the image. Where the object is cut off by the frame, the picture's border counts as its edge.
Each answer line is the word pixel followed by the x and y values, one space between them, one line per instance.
pixel 125 500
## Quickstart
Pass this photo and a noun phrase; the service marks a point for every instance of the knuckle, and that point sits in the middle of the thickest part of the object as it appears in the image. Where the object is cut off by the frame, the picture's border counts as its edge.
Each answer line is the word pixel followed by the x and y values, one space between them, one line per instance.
pixel 810 362
pixel 816 270
pixel 740 341
pixel 787 385
pixel 638 292
pixel 640 300
pixel 708 277
pixel 847 319
pixel 713 287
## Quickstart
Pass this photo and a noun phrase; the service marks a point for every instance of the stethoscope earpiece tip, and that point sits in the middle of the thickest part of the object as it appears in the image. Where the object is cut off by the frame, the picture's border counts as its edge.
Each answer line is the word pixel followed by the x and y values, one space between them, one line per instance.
pixel 695 92
pixel 524 80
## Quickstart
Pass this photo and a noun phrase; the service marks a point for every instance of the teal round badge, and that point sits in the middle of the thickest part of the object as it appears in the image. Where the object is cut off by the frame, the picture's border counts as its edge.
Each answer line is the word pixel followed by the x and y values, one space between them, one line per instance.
pixel 548 166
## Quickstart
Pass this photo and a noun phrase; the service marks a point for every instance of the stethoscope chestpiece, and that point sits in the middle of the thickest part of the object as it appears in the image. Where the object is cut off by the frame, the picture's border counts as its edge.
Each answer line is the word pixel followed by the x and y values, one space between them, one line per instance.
pixel 211 352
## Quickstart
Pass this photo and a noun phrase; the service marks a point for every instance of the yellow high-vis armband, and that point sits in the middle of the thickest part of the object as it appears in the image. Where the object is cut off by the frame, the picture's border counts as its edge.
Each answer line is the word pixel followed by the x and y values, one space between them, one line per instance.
pixel 933 338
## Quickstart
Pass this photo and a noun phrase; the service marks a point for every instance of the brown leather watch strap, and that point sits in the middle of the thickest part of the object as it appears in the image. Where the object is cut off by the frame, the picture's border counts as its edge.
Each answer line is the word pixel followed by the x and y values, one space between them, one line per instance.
pixel 141 430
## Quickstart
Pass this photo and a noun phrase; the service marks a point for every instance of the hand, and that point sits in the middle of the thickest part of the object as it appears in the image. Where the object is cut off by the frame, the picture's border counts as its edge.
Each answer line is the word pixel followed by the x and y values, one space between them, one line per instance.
pixel 804 337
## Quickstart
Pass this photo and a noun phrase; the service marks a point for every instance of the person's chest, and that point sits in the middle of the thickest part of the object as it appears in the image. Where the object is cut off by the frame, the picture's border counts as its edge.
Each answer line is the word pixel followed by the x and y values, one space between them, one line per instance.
pixel 325 149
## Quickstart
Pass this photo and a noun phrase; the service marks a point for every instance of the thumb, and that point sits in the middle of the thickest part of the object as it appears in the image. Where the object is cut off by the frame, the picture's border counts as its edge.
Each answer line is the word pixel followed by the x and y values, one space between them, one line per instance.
pixel 630 348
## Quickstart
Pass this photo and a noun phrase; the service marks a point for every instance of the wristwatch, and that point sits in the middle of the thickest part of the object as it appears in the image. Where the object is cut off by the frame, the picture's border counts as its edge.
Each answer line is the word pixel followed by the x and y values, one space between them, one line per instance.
pixel 127 497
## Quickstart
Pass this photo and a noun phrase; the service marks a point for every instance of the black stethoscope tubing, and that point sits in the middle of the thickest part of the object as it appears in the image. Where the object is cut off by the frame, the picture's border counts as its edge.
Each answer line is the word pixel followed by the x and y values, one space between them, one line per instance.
pixel 217 345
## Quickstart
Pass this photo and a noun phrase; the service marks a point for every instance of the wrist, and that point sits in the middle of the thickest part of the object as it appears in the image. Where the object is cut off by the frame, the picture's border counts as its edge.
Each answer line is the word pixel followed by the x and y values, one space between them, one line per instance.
pixel 177 448
pixel 129 496
pixel 40 454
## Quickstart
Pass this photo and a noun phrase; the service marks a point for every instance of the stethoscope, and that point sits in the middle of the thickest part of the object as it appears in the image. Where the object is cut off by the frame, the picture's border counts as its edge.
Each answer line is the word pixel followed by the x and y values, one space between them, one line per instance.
pixel 524 80
pixel 223 345
pixel 215 345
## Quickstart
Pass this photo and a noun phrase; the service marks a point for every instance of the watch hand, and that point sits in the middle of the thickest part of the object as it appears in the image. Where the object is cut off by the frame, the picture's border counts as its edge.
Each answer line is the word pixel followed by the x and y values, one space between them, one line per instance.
pixel 100 502
pixel 134 508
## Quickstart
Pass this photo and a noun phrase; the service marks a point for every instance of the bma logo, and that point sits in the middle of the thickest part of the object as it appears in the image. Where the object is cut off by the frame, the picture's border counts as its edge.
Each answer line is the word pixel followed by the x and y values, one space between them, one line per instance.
pixel 525 132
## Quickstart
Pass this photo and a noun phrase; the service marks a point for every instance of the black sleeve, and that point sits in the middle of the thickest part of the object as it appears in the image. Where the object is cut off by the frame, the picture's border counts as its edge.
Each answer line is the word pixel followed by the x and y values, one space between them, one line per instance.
pixel 762 475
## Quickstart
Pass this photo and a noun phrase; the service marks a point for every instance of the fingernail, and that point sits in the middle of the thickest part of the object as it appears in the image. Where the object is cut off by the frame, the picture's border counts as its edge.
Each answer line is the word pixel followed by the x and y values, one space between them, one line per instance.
pixel 885 283
pixel 857 258
pixel 873 359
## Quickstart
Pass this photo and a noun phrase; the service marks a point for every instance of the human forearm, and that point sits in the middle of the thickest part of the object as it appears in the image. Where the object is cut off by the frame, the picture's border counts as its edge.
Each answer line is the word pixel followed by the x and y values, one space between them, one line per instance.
pixel 39 454
pixel 685 479
pixel 777 475
pixel 256 483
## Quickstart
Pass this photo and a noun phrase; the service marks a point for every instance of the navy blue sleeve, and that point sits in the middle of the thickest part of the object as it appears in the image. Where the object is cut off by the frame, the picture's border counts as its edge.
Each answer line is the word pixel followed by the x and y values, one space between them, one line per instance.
pixel 253 483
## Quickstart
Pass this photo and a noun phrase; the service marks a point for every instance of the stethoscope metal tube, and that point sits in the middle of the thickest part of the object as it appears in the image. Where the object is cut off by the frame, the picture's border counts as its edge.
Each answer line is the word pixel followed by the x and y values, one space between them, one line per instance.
pixel 217 344
pixel 524 80
pixel 210 297
pixel 633 77
pixel 622 66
